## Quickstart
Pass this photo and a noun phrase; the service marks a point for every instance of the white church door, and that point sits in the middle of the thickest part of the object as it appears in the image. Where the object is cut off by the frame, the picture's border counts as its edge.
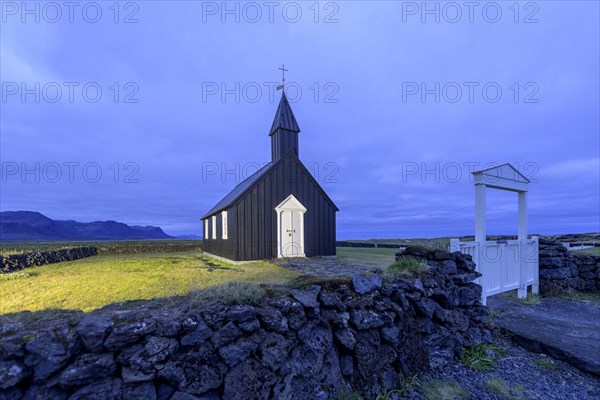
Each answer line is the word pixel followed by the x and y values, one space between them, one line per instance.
pixel 290 228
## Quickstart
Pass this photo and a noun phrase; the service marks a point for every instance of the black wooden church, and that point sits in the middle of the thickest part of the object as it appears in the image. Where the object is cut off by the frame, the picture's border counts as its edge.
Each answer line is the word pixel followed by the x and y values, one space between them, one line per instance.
pixel 279 211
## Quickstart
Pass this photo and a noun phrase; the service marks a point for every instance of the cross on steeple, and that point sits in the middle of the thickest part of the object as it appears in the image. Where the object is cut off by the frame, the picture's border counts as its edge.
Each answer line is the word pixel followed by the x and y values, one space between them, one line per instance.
pixel 283 71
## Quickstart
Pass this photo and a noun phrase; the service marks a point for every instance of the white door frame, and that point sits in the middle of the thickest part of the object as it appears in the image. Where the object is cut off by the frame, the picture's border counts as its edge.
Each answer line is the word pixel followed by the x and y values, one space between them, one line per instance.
pixel 290 204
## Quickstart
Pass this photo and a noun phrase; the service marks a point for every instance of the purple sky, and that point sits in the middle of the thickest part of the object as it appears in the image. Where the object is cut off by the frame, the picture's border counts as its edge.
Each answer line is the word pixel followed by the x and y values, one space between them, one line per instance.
pixel 396 109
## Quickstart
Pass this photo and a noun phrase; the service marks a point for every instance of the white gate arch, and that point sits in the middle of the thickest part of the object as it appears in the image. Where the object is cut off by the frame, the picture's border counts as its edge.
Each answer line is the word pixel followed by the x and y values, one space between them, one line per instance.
pixel 507 264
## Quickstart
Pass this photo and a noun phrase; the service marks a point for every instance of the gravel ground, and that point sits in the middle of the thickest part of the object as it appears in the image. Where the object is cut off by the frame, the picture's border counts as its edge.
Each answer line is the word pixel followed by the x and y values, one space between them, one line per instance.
pixel 523 378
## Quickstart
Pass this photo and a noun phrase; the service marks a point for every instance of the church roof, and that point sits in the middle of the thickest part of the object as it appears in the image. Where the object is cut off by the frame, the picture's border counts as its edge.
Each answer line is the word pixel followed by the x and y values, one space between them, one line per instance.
pixel 238 191
pixel 242 188
pixel 284 117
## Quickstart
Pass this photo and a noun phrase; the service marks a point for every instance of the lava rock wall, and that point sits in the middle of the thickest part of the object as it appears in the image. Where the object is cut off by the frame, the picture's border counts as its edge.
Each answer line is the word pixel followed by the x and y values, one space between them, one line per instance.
pixel 366 333
pixel 16 262
pixel 562 269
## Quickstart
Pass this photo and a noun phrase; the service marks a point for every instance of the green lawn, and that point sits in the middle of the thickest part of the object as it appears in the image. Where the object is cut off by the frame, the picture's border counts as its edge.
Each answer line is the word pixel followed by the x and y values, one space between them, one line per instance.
pixel 9 248
pixel 594 250
pixel 97 281
pixel 435 242
pixel 373 257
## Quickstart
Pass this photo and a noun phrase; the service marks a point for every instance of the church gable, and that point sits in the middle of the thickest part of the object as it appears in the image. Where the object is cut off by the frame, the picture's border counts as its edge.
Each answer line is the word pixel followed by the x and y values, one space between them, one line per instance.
pixel 290 176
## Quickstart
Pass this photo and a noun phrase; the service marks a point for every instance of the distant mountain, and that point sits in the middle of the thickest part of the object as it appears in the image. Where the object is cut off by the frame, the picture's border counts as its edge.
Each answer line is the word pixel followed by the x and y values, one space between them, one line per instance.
pixel 33 226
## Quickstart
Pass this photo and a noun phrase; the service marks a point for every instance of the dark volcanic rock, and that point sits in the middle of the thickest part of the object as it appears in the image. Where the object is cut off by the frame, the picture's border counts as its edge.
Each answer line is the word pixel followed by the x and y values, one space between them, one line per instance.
pixel 346 338
pixel 48 354
pixel 238 351
pixel 274 350
pixel 308 296
pixel 366 319
pixel 226 334
pixel 200 333
pixel 159 349
pixel 191 376
pixel 128 333
pixel 241 313
pixel 88 368
pixel 139 391
pixel 365 283
pixel 273 320
pixel 11 373
pixel 104 389
pixel 248 380
pixel 425 306
pixel 39 392
pixel 93 329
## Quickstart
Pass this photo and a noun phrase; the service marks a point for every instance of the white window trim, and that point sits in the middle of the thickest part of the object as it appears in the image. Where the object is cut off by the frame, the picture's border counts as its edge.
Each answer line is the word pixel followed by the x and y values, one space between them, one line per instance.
pixel 214 227
pixel 224 224
pixel 206 228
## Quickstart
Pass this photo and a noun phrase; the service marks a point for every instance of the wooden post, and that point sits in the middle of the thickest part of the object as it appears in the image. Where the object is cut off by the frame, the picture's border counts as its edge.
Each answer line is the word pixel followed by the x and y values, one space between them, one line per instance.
pixel 535 288
pixel 522 215
pixel 480 236
pixel 480 212
pixel 522 292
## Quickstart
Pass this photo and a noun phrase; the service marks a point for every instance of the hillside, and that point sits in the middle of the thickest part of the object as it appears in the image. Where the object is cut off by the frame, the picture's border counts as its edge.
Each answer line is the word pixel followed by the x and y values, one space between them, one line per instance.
pixel 33 226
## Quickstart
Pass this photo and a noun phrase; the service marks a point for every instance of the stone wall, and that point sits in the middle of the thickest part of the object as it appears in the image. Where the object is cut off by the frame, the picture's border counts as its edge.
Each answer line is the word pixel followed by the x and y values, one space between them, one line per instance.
pixel 303 343
pixel 562 269
pixel 154 247
pixel 16 262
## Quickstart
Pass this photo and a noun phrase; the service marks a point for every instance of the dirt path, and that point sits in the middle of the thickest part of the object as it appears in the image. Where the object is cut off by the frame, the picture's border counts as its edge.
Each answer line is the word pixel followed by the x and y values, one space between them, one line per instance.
pixel 565 329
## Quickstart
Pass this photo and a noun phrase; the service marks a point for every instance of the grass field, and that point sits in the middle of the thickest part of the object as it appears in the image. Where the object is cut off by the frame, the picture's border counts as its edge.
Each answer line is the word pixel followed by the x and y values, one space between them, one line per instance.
pixel 594 250
pixel 373 257
pixel 435 242
pixel 97 281
pixel 19 248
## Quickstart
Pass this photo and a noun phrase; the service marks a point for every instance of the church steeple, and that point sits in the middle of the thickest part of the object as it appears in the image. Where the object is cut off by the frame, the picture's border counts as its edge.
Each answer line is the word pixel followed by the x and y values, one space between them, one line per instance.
pixel 284 131
pixel 284 117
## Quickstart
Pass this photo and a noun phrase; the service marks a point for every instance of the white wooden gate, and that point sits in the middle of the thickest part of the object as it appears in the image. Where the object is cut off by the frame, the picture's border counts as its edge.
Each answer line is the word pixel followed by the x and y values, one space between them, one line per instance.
pixel 504 264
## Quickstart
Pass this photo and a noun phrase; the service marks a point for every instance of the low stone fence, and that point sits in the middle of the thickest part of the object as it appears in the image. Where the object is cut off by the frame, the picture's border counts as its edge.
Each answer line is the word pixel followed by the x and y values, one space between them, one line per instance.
pixel 562 269
pixel 149 248
pixel 307 344
pixel 16 262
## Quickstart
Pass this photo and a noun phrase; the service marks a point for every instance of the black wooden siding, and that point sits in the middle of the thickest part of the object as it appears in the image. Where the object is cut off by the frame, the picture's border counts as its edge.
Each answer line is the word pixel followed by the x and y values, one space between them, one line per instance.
pixel 257 219
pixel 219 246
pixel 252 220
pixel 281 142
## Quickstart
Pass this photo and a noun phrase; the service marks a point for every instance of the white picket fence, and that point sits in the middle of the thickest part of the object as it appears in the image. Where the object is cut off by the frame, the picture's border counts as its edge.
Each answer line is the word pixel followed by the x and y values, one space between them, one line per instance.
pixel 504 265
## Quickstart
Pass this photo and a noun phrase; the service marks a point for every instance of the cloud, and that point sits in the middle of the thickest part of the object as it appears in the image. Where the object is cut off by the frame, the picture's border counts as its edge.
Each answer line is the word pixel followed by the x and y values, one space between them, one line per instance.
pixel 370 135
